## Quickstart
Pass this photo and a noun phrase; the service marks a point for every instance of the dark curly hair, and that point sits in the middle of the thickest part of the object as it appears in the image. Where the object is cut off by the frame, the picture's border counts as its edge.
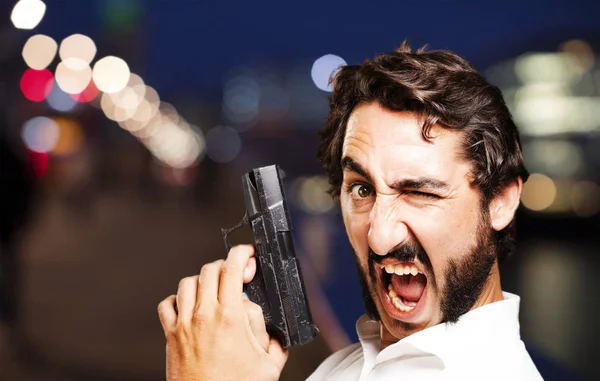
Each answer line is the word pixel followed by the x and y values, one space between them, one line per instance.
pixel 445 90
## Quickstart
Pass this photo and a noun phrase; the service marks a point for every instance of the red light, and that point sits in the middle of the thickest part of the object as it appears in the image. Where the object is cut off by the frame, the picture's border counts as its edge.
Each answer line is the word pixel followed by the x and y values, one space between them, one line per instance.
pixel 179 176
pixel 38 162
pixel 36 84
pixel 87 95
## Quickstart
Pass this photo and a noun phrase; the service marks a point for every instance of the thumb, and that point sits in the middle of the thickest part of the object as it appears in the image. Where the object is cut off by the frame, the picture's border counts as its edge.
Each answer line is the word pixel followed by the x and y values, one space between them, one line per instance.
pixel 277 353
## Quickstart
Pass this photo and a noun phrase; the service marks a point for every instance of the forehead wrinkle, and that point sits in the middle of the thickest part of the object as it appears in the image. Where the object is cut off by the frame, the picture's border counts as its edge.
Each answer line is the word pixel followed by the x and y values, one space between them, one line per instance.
pixel 355 134
pixel 360 150
pixel 372 130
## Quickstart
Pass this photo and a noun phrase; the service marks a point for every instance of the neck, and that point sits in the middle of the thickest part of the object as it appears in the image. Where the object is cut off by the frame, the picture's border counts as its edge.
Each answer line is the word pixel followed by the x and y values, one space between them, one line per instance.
pixel 387 338
pixel 492 292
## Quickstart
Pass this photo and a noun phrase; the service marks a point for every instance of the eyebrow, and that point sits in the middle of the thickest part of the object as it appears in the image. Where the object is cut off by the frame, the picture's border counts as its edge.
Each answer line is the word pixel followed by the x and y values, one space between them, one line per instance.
pixel 421 183
pixel 351 165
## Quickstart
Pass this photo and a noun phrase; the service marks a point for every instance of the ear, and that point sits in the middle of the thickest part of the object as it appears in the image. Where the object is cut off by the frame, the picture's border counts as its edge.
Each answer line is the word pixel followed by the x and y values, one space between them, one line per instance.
pixel 504 205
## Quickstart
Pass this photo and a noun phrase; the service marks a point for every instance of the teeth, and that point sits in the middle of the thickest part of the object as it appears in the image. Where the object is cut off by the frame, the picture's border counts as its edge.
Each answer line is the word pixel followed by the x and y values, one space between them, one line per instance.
pixel 401 269
pixel 397 301
pixel 399 305
pixel 391 292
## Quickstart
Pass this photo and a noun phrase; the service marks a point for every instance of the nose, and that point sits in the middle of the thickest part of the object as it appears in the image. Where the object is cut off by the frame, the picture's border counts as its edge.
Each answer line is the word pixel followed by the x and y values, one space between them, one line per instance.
pixel 387 229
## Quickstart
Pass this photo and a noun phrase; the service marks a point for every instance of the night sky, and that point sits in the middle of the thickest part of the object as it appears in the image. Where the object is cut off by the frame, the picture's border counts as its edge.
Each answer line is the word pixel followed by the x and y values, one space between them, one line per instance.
pixel 190 45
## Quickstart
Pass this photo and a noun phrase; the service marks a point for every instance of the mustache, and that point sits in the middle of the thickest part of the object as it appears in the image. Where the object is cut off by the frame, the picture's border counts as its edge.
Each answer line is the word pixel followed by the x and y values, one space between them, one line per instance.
pixel 405 253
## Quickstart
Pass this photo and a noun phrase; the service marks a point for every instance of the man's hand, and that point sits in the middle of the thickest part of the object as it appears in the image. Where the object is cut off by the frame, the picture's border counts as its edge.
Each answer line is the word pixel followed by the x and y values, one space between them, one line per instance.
pixel 212 332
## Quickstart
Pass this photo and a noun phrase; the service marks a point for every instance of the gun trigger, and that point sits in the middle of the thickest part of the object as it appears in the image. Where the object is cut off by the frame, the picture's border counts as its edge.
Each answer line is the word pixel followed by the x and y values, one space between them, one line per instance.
pixel 226 232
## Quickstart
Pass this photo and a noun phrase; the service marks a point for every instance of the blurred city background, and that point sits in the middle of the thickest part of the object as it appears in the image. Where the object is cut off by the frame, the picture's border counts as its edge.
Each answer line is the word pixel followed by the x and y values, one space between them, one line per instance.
pixel 137 118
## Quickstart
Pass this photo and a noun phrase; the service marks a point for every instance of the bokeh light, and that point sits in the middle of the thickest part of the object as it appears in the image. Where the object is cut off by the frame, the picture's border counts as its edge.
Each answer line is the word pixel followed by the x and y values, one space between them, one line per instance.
pixel 175 145
pixel 142 116
pixel 223 144
pixel 532 68
pixel 556 157
pixel 582 52
pixel 562 199
pixel 88 94
pixel 40 134
pixel 36 84
pixel 147 108
pixel 148 129
pixel 325 68
pixel 585 198
pixel 131 125
pixel 552 93
pixel 152 97
pixel 111 74
pixel 73 75
pixel 27 14
pixel 39 163
pixel 169 111
pixel 538 192
pixel 39 51
pixel 113 111
pixel 131 95
pixel 60 101
pixel 241 98
pixel 179 176
pixel 133 106
pixel 549 109
pixel 311 194
pixel 70 136
pixel 78 46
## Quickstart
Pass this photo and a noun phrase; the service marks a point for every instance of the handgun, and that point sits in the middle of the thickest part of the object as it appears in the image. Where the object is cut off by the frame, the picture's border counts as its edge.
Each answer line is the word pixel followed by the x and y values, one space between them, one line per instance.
pixel 277 287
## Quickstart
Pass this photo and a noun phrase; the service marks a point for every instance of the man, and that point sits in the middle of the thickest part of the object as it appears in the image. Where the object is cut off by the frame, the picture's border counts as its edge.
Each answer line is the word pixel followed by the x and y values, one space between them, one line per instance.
pixel 427 165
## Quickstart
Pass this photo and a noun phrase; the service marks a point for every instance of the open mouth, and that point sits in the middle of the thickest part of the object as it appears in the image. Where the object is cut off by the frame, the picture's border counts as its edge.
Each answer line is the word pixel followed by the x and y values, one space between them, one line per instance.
pixel 403 288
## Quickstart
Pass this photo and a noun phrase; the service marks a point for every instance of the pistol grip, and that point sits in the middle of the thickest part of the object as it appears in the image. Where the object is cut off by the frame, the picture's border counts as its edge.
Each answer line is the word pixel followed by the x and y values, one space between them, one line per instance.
pixel 256 289
pixel 256 292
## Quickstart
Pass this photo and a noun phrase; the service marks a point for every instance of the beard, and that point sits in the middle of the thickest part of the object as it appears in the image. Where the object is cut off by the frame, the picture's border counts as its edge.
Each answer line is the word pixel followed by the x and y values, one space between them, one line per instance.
pixel 465 276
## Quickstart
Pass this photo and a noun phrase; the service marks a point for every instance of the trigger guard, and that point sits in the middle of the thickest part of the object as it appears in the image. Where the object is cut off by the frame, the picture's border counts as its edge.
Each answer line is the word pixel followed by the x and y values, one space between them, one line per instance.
pixel 226 232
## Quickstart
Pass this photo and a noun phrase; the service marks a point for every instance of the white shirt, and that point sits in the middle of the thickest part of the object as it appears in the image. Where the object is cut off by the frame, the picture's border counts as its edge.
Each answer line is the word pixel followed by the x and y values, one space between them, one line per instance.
pixel 485 344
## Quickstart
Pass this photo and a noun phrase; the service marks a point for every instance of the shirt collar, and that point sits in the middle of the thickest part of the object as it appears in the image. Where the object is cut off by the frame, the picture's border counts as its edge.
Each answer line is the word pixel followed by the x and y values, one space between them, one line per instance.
pixel 498 321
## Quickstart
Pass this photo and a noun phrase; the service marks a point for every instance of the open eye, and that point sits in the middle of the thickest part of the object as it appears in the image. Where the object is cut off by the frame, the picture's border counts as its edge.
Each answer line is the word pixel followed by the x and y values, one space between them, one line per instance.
pixel 360 191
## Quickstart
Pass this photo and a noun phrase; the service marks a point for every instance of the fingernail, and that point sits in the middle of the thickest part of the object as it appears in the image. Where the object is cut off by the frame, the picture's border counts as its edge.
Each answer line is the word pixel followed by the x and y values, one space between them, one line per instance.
pixel 246 273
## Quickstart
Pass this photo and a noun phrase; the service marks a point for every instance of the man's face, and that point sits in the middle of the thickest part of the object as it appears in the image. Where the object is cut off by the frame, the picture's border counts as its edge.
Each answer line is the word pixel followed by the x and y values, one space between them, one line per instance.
pixel 421 239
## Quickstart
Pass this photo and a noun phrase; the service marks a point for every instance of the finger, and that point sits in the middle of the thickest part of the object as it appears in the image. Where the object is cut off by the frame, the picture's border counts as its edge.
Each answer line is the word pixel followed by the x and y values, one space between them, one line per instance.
pixel 232 275
pixel 250 270
pixel 277 353
pixel 257 323
pixel 186 298
pixel 167 313
pixel 208 283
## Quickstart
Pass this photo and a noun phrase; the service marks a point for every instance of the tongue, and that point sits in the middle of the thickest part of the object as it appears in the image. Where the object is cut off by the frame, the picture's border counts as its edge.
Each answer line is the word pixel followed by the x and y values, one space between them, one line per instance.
pixel 409 287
